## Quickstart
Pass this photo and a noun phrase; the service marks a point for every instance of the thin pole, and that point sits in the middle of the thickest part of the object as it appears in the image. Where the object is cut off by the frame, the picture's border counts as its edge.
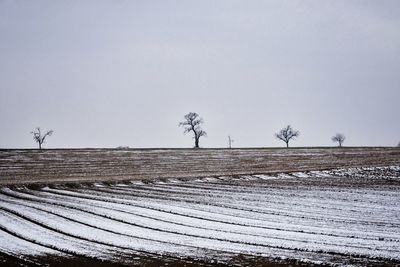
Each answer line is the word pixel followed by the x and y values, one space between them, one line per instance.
pixel 230 141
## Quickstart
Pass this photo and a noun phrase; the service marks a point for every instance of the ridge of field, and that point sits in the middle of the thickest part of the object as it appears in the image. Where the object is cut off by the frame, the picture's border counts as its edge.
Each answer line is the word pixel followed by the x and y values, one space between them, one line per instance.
pixel 29 166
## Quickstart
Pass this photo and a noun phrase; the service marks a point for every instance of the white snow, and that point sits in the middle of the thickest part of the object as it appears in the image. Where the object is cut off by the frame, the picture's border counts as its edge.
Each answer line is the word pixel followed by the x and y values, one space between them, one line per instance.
pixel 252 215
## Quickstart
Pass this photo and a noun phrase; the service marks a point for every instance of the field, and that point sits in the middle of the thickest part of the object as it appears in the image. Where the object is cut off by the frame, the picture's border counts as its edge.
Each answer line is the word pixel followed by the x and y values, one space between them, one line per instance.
pixel 244 207
pixel 85 165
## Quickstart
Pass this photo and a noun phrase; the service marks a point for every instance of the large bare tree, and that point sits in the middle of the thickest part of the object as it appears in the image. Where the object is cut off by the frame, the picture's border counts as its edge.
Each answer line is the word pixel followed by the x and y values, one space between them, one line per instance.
pixel 339 138
pixel 192 124
pixel 287 134
pixel 39 137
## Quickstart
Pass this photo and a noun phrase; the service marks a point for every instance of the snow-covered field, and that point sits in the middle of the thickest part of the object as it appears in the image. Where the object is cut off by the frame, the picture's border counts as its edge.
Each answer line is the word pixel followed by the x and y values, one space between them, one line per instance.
pixel 343 216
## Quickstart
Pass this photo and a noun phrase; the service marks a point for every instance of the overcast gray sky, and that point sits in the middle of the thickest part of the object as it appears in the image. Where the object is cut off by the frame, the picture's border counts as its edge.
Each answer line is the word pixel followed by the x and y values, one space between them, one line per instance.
pixel 124 73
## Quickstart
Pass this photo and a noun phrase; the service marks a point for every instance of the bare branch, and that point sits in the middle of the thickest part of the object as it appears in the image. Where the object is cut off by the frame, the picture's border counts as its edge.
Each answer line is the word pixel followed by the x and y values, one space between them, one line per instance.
pixel 192 123
pixel 339 138
pixel 39 138
pixel 286 134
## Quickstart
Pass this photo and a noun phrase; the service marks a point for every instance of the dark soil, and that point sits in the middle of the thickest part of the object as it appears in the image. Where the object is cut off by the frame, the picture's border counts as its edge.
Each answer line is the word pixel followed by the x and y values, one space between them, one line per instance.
pixel 146 261
pixel 88 165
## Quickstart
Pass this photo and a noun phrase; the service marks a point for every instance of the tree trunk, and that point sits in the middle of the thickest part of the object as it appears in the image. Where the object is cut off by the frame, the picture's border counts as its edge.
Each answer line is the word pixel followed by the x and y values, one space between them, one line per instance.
pixel 40 145
pixel 287 144
pixel 196 142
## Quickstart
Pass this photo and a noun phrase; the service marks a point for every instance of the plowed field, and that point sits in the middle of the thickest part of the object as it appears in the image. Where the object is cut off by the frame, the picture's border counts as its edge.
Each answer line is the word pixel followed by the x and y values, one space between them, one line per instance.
pixel 282 217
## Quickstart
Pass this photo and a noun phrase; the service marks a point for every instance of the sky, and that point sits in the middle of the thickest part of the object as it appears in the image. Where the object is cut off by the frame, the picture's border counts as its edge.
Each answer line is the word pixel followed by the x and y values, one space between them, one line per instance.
pixel 124 73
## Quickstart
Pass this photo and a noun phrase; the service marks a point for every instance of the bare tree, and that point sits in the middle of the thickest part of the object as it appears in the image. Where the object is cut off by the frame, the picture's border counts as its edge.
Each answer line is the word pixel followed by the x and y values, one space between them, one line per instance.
pixel 39 137
pixel 192 124
pixel 339 138
pixel 286 134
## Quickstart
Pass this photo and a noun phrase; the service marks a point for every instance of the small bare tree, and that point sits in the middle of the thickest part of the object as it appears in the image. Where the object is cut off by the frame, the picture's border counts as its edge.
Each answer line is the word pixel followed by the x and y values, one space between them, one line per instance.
pixel 339 138
pixel 39 137
pixel 192 124
pixel 286 134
